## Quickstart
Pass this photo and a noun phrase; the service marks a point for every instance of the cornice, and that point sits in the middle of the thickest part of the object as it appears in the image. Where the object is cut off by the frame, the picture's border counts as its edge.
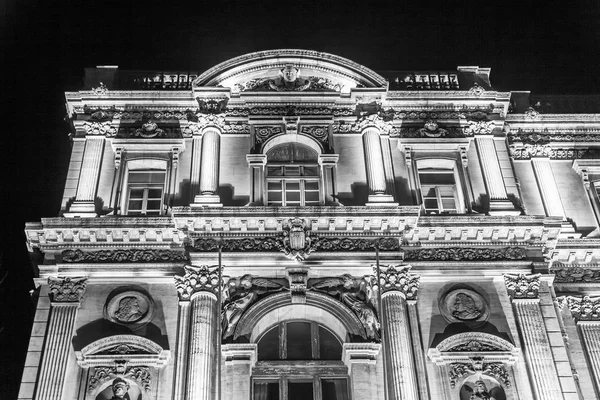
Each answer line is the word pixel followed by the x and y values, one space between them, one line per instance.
pixel 529 118
pixel 449 94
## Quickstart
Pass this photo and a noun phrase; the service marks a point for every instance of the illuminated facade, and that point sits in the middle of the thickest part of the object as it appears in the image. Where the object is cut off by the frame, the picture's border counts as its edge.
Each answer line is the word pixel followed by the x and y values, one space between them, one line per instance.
pixel 292 225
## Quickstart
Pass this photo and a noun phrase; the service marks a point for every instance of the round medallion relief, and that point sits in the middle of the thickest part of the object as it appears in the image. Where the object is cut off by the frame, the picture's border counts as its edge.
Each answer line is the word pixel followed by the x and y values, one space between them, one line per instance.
pixel 131 308
pixel 464 305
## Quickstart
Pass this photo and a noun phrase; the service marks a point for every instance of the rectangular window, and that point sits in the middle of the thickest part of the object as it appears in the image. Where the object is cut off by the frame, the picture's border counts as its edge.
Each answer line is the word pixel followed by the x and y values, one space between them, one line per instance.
pixel 293 185
pixel 145 192
pixel 266 390
pixel 438 191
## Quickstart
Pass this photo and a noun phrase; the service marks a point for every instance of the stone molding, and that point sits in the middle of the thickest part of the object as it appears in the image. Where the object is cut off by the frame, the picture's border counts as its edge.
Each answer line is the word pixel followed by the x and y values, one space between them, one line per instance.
pixel 575 273
pixel 474 342
pixel 125 255
pixel 464 254
pixel 240 353
pixel 457 371
pixel 137 350
pixel 67 290
pixel 360 353
pixel 522 286
pixel 396 278
pixel 202 279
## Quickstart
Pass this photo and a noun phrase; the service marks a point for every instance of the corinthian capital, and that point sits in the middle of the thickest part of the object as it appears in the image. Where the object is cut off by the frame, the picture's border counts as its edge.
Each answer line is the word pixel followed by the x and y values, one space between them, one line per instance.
pixel 397 278
pixel 374 121
pixel 584 308
pixel 197 279
pixel 521 286
pixel 67 290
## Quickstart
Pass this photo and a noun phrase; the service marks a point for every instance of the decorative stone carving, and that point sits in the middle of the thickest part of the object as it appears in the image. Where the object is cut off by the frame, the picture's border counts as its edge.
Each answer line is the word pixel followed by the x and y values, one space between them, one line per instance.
pixel 474 346
pixel 522 286
pixel 397 277
pixel 432 130
pixel 319 132
pixel 478 128
pixel 241 293
pixel 275 243
pixel 415 132
pixel 149 130
pixel 140 374
pixel 238 128
pixel 584 308
pixel 67 290
pixel 373 120
pixel 296 240
pixel 206 120
pixel 464 305
pixel 146 115
pixel 525 152
pixel 290 110
pixel 456 371
pixel 474 342
pixel 476 90
pixel 546 136
pixel 575 274
pixel 476 113
pixel 101 90
pixel 289 81
pixel 531 113
pixel 298 278
pixel 99 128
pixel 263 133
pixel 211 106
pixel 464 254
pixel 357 294
pixel 129 255
pixel 497 370
pixel 131 308
pixel 120 388
pixel 479 391
pixel 197 279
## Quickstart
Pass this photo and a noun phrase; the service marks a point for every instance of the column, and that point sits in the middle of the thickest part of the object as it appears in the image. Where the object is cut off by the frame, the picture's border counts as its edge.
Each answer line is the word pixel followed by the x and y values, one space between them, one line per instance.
pixel 586 311
pixel 181 352
pixel 375 169
pixel 209 169
pixel 257 163
pixel 83 206
pixel 200 286
pixel 195 173
pixel 66 295
pixel 524 292
pixel 547 185
pixel 397 286
pixel 492 174
pixel 361 360
pixel 417 349
pixel 240 358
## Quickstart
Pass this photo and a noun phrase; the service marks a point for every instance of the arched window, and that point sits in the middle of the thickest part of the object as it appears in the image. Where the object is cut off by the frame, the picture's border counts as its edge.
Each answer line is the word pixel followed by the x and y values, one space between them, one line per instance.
pixel 293 177
pixel 300 360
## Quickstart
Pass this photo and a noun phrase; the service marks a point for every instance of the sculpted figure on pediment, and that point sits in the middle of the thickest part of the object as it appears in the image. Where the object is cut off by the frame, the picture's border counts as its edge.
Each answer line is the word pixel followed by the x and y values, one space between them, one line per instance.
pixel 289 80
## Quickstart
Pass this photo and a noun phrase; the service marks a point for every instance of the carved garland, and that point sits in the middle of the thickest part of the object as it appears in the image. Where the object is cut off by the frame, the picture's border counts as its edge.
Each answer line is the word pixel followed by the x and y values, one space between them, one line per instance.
pixel 140 374
pixel 575 274
pixel 464 254
pixel 130 255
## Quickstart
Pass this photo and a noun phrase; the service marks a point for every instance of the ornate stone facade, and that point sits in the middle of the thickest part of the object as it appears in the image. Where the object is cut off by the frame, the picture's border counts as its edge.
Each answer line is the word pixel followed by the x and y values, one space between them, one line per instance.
pixel 285 225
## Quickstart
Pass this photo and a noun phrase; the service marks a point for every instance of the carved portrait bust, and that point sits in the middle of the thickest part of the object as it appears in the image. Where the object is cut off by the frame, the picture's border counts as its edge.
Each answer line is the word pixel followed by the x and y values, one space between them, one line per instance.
pixel 464 305
pixel 132 308
pixel 120 388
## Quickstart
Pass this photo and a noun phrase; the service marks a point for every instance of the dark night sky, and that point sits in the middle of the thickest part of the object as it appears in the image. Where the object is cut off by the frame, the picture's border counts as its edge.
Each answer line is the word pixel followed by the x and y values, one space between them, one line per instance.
pixel 546 47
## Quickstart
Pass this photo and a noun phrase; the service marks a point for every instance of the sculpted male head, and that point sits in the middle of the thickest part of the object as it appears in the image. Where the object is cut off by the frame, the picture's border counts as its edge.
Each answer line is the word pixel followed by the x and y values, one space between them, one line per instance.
pixel 290 73
pixel 120 388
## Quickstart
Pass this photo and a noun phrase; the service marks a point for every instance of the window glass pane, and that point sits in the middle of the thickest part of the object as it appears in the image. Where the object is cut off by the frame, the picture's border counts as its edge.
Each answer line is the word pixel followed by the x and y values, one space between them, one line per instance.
pixel 153 205
pixel 152 212
pixel 274 197
pixel 292 197
pixel 154 193
pixel 299 341
pixel 446 191
pixel 431 203
pixel 274 185
pixel 268 346
pixel 274 171
pixel 292 171
pixel 135 205
pixel 300 391
pixel 436 178
pixel 311 197
pixel 334 389
pixel 147 177
pixel 311 171
pixel 311 185
pixel 292 185
pixel 266 390
pixel 448 205
pixel 428 191
pixel 136 193
pixel 329 346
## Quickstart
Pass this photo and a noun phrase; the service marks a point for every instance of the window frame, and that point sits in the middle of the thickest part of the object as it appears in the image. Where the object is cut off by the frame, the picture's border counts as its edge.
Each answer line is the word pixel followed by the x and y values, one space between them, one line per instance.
pixel 301 179
pixel 441 165
pixel 314 370
pixel 146 165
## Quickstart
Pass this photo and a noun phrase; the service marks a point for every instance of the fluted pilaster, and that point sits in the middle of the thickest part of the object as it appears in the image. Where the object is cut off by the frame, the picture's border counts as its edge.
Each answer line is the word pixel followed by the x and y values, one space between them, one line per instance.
pixel 524 291
pixel 65 300
pixel 586 311
pixel 417 349
pixel 209 170
pixel 199 286
pixel 375 167
pixel 492 174
pixel 397 285
pixel 181 355
pixel 196 165
pixel 547 186
pixel 83 206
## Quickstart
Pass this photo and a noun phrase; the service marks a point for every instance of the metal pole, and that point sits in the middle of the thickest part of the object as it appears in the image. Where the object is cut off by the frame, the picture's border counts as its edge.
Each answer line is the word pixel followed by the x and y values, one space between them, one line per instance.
pixel 382 319
pixel 219 328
